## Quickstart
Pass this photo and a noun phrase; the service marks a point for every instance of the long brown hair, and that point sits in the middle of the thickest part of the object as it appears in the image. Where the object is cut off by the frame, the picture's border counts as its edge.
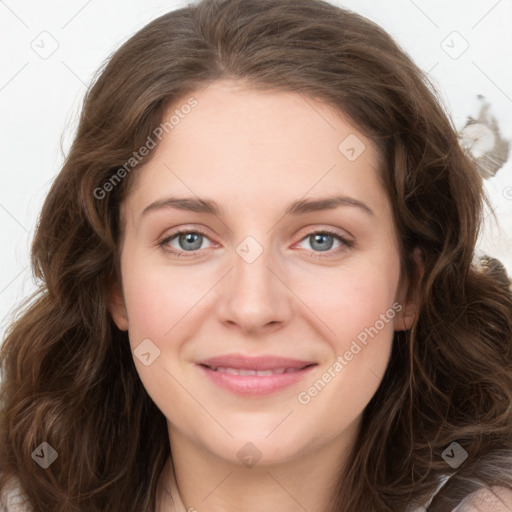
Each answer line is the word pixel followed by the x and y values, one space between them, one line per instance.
pixel 68 376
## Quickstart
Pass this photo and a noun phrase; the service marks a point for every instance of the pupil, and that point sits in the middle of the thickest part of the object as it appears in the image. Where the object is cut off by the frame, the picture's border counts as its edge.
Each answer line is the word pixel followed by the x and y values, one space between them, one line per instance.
pixel 322 246
pixel 190 238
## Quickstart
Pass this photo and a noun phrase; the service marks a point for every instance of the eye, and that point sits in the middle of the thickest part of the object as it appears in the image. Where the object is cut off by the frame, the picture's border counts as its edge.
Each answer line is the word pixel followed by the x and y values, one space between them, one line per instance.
pixel 324 240
pixel 183 241
pixel 186 242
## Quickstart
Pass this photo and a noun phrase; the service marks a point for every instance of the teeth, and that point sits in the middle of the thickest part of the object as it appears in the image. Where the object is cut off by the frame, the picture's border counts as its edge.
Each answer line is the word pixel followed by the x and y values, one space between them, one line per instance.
pixel 262 373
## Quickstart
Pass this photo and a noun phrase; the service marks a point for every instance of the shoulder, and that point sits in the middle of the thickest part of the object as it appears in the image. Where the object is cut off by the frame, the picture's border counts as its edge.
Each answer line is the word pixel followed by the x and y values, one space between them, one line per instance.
pixel 423 507
pixel 14 499
pixel 493 499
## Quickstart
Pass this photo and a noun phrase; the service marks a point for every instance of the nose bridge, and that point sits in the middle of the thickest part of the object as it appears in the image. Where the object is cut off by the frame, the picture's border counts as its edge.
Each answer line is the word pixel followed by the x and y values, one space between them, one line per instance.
pixel 255 297
pixel 253 281
pixel 252 262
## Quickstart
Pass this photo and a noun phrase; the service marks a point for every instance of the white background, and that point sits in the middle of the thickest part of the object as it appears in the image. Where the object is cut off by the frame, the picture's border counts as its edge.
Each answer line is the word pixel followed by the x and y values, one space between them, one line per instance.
pixel 40 97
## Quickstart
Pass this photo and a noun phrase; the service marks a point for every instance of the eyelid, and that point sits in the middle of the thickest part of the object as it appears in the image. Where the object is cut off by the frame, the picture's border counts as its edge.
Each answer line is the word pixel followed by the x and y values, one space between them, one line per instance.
pixel 319 228
pixel 347 242
pixel 164 240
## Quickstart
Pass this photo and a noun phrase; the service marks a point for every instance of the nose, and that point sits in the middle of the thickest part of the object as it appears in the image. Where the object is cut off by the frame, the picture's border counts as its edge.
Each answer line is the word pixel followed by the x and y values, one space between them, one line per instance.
pixel 255 297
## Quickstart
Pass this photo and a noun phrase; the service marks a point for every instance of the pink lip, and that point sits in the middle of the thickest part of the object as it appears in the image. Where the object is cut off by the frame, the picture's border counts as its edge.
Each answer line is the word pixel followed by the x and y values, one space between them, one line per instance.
pixel 255 385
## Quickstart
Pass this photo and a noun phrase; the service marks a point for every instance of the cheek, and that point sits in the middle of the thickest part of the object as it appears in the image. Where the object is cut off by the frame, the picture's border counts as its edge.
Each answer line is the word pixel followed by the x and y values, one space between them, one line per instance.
pixel 352 299
pixel 156 297
pixel 358 306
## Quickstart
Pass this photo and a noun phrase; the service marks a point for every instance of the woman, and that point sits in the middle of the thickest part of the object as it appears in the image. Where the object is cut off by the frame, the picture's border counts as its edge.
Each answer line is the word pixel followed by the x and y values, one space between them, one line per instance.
pixel 328 341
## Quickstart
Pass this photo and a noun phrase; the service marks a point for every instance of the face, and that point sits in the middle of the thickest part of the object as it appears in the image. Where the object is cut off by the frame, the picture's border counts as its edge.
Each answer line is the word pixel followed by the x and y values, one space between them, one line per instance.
pixel 268 316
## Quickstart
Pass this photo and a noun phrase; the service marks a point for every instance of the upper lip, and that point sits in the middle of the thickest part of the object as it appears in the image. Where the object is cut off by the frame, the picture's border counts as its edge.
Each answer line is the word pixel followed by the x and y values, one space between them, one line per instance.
pixel 242 362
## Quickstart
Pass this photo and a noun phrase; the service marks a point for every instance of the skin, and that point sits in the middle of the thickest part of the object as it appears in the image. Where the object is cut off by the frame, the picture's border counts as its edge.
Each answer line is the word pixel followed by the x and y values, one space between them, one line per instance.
pixel 254 152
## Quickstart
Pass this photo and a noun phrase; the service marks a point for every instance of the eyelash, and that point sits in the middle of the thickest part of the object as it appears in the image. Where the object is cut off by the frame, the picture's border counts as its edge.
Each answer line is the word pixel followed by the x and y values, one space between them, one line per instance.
pixel 316 254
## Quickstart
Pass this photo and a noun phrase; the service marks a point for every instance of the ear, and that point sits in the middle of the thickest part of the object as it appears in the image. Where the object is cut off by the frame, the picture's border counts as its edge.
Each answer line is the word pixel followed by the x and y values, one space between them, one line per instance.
pixel 117 307
pixel 410 298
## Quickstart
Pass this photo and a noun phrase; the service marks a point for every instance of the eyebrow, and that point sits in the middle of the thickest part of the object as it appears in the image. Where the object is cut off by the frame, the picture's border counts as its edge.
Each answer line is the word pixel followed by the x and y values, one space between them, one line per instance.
pixel 295 208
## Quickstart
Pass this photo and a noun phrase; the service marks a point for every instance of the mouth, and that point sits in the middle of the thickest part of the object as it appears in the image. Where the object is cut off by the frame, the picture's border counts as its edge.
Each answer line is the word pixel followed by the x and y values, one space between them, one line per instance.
pixel 247 371
pixel 254 376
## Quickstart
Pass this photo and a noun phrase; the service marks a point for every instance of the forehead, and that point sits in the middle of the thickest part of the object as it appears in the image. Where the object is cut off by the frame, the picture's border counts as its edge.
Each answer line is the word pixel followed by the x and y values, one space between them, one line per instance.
pixel 238 143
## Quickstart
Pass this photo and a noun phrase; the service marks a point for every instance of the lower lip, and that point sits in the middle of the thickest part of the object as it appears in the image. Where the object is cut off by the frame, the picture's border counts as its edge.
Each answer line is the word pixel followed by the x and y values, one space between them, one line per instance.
pixel 255 385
